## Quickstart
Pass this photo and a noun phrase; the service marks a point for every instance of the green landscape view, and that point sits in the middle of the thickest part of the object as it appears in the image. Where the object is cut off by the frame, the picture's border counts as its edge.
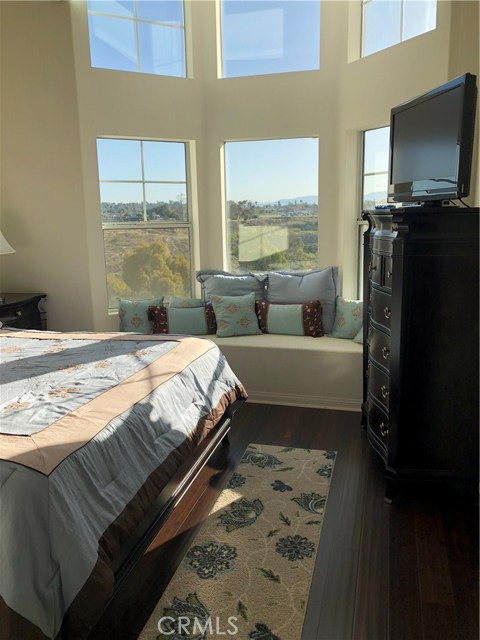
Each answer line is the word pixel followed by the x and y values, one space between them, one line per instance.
pixel 149 262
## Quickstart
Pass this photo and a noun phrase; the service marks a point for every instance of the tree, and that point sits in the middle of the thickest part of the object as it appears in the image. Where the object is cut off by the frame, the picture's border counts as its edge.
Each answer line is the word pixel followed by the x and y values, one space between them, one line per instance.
pixel 150 270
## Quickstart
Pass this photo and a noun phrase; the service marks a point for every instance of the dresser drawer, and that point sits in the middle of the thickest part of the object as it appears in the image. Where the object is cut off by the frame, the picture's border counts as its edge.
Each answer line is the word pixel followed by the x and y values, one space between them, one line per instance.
pixel 379 347
pixel 387 272
pixel 375 268
pixel 378 422
pixel 379 385
pixel 381 308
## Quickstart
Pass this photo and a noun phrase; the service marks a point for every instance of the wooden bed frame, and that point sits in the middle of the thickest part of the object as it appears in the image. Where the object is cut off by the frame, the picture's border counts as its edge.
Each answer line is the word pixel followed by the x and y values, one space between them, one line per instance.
pixel 169 497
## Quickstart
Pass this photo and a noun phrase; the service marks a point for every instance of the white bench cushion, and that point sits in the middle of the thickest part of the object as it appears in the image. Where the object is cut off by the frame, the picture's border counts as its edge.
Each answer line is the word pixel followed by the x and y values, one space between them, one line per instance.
pixel 297 370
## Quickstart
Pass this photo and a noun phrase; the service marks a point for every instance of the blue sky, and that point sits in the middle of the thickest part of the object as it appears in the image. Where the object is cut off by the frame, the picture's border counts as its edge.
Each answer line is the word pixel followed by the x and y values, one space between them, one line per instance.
pixel 269 170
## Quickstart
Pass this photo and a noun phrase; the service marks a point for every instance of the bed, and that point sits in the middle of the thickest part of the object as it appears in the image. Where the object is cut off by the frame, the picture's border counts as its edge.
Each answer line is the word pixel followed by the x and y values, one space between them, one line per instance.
pixel 100 434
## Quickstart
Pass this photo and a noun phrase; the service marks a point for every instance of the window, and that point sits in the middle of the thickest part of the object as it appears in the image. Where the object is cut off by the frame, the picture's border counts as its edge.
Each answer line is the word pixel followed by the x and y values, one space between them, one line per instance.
pixel 376 145
pixel 272 204
pixel 270 36
pixel 146 36
pixel 145 218
pixel 388 22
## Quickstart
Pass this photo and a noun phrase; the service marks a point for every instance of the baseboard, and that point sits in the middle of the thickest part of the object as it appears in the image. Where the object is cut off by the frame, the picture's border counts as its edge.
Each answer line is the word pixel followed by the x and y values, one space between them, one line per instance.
pixel 316 402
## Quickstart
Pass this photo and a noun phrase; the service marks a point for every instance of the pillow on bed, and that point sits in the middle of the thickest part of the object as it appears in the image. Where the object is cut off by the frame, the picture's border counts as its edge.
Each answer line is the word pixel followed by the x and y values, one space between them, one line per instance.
pixel 290 319
pixel 133 314
pixel 223 283
pixel 235 315
pixel 177 301
pixel 348 318
pixel 197 321
pixel 305 286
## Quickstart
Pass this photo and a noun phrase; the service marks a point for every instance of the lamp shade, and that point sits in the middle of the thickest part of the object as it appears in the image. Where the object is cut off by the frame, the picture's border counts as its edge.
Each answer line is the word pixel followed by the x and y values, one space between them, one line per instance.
pixel 5 247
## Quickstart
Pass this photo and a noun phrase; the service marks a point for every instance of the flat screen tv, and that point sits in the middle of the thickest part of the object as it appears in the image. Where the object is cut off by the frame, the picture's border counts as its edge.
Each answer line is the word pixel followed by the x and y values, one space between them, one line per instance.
pixel 431 144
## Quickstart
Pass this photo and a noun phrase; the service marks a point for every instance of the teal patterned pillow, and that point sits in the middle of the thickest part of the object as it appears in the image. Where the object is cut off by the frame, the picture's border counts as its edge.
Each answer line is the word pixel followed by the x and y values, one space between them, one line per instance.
pixel 235 315
pixel 359 337
pixel 133 314
pixel 348 318
pixel 198 321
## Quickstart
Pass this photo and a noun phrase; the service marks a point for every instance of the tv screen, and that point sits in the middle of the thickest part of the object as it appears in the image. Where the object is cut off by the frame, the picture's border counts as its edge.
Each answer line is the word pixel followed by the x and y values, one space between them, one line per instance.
pixel 431 144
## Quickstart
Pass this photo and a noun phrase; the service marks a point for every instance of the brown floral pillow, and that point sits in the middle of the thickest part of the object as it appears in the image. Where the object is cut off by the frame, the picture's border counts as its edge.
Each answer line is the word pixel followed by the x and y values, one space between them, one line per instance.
pixel 300 319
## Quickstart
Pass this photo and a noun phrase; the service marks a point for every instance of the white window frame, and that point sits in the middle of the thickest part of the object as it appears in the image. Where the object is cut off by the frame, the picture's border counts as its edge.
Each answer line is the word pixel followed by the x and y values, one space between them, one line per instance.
pixel 155 224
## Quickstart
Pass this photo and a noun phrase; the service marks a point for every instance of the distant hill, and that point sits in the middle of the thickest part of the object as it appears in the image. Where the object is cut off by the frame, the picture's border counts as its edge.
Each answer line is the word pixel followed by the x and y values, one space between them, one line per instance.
pixel 376 196
pixel 283 201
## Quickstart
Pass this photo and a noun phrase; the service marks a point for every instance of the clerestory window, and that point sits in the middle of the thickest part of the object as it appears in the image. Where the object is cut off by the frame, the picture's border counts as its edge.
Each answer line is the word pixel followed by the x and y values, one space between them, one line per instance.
pixel 388 22
pixel 144 36
pixel 269 36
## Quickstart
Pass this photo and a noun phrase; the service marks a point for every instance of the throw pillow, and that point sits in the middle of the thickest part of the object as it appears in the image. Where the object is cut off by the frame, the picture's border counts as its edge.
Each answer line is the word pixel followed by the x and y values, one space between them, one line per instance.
pixel 290 319
pixel 348 318
pixel 359 337
pixel 197 321
pixel 235 315
pixel 305 286
pixel 223 283
pixel 177 301
pixel 133 314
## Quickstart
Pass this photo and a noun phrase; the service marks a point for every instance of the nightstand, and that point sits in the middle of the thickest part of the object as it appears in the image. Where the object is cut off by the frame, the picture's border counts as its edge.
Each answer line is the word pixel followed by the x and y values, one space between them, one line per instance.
pixel 23 310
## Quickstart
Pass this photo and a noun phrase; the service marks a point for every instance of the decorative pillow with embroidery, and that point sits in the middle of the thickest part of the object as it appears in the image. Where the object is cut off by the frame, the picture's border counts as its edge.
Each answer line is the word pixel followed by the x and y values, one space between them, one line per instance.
pixel 348 318
pixel 304 286
pixel 133 314
pixel 197 321
pixel 290 319
pixel 235 315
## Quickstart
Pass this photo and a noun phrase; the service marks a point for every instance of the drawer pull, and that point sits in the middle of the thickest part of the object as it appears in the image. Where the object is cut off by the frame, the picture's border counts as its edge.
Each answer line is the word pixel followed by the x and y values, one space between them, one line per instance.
pixel 385 353
pixel 383 429
pixel 372 267
pixel 18 313
pixel 384 391
pixel 389 274
pixel 387 312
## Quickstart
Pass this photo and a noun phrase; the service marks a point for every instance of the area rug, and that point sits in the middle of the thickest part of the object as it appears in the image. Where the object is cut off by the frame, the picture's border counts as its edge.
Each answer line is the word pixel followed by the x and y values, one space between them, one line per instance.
pixel 249 570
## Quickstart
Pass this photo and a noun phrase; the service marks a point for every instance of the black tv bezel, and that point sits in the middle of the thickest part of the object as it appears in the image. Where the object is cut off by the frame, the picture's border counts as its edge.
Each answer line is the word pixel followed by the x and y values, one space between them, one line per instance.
pixel 403 192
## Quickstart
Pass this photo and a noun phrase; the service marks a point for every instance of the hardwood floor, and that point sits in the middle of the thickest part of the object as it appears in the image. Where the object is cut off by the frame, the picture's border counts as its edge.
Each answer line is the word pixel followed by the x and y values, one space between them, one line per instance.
pixel 405 571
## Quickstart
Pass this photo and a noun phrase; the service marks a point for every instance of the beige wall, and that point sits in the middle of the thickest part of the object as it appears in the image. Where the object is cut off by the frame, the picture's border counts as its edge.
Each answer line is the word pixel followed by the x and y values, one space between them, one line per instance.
pixel 54 106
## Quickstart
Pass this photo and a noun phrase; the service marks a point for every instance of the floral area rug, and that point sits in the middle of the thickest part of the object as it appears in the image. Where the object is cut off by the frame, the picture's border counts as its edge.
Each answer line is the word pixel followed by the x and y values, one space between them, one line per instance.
pixel 248 573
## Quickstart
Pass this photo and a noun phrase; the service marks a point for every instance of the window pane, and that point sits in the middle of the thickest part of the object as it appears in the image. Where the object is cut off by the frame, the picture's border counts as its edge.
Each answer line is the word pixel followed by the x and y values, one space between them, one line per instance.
pixel 164 161
pixel 376 150
pixel 121 202
pixel 162 50
pixel 167 11
pixel 375 190
pixel 146 263
pixel 270 36
pixel 119 159
pixel 381 25
pixel 124 8
pixel 166 202
pixel 112 43
pixel 272 204
pixel 418 17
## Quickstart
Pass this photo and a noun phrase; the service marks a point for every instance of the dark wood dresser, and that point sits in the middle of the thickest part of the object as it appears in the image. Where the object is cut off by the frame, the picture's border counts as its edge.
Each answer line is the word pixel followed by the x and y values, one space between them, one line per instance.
pixel 23 310
pixel 421 343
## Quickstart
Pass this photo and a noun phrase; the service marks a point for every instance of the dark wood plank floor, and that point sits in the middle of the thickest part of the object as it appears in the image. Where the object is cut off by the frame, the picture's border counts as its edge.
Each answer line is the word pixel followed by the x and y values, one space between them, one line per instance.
pixel 405 571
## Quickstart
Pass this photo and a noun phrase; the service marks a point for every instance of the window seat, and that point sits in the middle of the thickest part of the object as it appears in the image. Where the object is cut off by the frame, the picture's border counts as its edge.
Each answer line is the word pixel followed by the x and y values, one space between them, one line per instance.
pixel 297 370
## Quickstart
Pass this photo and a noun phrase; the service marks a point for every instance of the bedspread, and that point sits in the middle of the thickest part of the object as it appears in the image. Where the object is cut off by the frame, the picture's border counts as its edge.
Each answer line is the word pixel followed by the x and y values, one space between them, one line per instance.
pixel 91 428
